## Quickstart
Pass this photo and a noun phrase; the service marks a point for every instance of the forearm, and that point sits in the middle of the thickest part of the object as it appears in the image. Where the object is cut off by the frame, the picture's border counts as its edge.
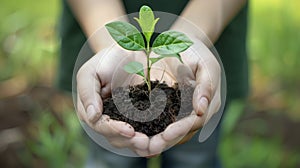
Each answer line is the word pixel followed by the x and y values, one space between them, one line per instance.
pixel 94 14
pixel 210 16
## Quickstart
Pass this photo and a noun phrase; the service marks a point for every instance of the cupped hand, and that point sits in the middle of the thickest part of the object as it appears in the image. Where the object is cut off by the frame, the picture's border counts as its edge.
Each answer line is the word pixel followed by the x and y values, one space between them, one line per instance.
pixel 94 81
pixel 201 70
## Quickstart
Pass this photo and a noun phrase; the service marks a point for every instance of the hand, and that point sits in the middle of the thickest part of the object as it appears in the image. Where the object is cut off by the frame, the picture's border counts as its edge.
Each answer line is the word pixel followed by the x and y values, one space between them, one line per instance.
pixel 202 73
pixel 94 80
pixel 201 70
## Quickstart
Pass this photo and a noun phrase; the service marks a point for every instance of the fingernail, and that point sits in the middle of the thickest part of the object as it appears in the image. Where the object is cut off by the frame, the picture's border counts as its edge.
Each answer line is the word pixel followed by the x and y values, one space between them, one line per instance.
pixel 126 135
pixel 124 129
pixel 91 113
pixel 202 106
pixel 127 131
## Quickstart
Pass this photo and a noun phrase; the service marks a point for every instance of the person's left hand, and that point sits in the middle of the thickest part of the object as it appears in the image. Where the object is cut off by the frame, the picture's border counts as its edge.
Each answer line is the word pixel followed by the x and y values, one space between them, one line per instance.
pixel 201 70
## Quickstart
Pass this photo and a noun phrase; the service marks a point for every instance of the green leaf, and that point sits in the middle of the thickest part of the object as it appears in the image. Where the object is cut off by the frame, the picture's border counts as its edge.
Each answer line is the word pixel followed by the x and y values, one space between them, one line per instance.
pixel 135 68
pixel 126 35
pixel 154 60
pixel 147 21
pixel 171 42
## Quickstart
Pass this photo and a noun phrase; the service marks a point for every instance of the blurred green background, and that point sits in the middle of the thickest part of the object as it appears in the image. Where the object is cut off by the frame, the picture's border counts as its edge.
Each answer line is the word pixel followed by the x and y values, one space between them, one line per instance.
pixel 38 127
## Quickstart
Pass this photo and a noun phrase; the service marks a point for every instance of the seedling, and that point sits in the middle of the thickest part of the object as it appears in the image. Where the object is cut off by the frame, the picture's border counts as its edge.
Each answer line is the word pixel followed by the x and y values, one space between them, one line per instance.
pixel 167 44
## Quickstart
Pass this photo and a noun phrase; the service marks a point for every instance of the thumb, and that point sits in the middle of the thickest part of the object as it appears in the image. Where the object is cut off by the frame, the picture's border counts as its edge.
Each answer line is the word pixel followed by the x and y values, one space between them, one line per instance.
pixel 203 92
pixel 88 90
pixel 201 98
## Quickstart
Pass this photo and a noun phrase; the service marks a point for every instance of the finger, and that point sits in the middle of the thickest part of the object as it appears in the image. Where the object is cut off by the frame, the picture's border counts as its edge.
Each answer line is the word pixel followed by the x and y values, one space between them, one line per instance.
pixel 140 144
pixel 120 142
pixel 118 133
pixel 140 141
pixel 88 88
pixel 106 126
pixel 182 127
pixel 157 144
pixel 111 128
pixel 207 94
pixel 173 134
pixel 204 89
pixel 215 104
pixel 201 98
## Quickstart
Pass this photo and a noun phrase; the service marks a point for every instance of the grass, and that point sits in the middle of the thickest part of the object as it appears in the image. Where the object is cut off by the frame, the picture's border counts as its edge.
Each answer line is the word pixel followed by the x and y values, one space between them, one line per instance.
pixel 29 48
pixel 274 56
pixel 53 144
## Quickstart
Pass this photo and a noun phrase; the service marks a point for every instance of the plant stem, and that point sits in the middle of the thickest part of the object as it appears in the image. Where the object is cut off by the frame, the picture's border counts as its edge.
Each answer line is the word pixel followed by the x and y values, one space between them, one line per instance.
pixel 148 51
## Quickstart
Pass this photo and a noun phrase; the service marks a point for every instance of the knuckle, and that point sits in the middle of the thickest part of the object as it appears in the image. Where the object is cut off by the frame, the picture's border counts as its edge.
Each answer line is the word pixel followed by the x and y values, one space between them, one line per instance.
pixel 95 117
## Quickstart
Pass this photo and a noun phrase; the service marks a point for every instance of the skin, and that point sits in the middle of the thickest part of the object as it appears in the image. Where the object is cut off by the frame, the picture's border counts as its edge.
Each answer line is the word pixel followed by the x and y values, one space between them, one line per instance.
pixel 210 16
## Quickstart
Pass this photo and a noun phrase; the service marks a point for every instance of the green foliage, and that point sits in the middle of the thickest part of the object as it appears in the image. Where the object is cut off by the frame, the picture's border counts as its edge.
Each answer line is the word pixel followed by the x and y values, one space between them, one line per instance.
pixel 28 43
pixel 57 145
pixel 147 21
pixel 126 35
pixel 171 42
pixel 275 44
pixel 29 48
pixel 167 44
pixel 135 68
pixel 251 151
pixel 154 60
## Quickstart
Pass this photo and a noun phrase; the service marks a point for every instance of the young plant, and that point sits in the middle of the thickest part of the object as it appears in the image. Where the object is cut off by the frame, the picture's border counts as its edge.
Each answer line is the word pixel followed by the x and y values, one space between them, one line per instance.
pixel 167 44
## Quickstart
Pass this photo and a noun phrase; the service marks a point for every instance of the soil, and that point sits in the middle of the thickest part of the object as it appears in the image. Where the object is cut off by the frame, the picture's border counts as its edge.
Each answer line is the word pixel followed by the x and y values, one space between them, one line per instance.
pixel 152 118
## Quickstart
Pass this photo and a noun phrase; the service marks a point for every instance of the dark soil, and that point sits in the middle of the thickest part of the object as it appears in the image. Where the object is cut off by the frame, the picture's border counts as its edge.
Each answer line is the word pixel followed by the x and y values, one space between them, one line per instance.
pixel 150 118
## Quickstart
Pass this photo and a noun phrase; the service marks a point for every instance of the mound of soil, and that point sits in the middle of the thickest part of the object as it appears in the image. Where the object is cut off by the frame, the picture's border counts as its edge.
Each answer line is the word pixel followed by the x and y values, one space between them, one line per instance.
pixel 149 114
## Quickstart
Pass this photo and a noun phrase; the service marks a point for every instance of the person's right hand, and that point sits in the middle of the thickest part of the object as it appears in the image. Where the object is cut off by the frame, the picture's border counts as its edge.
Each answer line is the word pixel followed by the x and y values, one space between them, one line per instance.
pixel 94 80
